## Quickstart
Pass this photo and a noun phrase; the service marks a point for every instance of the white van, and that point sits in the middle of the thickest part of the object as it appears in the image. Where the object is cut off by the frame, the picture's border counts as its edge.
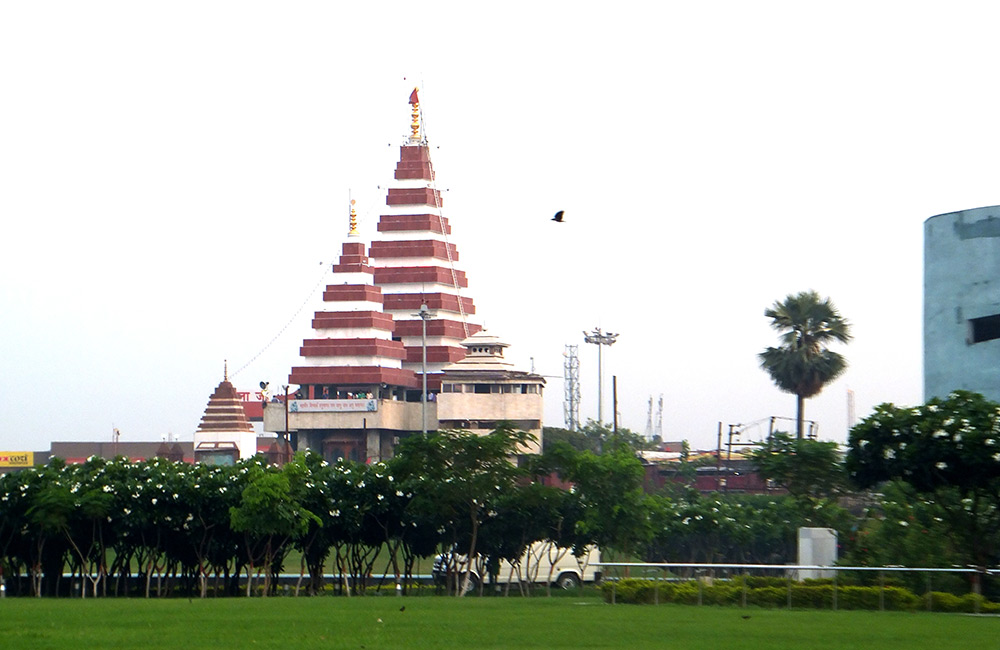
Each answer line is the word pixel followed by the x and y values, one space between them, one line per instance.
pixel 542 563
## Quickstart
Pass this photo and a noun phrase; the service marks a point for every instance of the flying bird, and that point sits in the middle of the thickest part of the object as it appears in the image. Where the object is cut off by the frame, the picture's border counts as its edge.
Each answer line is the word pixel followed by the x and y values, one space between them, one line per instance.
pixel 558 217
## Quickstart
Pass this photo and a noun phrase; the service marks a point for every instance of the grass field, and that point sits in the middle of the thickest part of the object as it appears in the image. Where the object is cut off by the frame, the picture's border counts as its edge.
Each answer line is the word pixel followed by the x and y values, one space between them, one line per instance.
pixel 374 623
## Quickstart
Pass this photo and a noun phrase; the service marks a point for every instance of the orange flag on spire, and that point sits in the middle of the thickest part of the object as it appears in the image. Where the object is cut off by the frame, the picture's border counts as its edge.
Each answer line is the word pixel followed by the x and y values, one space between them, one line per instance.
pixel 413 97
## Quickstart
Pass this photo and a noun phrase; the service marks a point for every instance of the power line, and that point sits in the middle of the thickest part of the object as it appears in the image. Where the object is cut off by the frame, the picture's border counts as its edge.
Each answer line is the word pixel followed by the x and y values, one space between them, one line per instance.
pixel 291 320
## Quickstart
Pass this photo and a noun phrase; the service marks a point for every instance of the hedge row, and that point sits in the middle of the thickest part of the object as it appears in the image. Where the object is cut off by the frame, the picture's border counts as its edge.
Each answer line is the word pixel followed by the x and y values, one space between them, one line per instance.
pixel 809 596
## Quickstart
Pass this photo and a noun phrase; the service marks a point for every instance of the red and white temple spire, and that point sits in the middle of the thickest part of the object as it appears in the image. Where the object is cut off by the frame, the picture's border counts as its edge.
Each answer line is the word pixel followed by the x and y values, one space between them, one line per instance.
pixel 359 387
pixel 353 350
pixel 415 263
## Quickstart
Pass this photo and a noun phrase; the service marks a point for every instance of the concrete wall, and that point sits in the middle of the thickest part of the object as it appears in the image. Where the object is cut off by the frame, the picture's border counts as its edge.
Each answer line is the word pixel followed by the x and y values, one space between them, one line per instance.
pixel 961 284
pixel 490 406
pixel 392 415
pixel 494 407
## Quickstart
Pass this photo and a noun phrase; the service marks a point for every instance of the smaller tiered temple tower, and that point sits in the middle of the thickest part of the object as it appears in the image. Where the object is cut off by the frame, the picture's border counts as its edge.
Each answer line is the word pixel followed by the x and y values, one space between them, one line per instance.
pixel 353 350
pixel 353 389
pixel 224 435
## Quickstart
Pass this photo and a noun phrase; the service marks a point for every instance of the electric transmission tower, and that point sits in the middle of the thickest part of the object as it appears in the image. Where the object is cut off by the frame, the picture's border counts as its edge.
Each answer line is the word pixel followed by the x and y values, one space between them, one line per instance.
pixel 648 433
pixel 571 384
pixel 658 427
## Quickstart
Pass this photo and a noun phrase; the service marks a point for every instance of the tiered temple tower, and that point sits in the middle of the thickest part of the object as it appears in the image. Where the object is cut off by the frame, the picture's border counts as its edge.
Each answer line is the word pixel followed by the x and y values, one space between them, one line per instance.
pixel 224 435
pixel 353 350
pixel 359 382
pixel 415 263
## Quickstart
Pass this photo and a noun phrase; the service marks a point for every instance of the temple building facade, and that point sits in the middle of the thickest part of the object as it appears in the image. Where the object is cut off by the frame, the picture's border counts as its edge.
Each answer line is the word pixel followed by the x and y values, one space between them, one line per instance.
pixel 396 325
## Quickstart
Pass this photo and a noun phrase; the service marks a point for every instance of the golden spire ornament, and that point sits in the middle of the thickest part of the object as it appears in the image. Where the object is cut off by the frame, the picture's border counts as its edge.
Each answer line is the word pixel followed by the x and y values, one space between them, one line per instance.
pixel 414 116
pixel 353 230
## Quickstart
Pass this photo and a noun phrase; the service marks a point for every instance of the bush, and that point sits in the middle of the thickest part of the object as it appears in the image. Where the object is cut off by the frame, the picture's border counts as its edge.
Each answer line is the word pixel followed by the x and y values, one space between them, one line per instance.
pixel 942 601
pixel 765 581
pixel 896 598
pixel 775 593
pixel 634 591
pixel 969 602
pixel 768 596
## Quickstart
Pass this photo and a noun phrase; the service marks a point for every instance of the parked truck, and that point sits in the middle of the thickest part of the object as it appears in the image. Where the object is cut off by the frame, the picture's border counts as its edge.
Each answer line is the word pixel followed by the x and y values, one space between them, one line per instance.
pixel 542 562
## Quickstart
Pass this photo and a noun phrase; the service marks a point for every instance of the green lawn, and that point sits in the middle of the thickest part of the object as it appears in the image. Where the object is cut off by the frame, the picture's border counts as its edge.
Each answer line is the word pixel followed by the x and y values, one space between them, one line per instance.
pixel 429 622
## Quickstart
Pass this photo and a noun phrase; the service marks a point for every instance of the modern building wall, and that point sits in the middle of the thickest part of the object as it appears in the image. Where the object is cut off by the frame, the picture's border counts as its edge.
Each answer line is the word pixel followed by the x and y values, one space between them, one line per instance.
pixel 962 303
pixel 502 403
pixel 353 415
pixel 483 389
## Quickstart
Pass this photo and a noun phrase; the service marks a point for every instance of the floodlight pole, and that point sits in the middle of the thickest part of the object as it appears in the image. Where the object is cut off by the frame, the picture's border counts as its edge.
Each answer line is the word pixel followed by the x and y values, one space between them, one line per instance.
pixel 600 339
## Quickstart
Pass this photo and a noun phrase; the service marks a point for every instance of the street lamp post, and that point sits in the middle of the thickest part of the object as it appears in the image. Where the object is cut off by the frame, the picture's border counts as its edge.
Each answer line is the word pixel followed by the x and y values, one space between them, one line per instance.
pixel 425 315
pixel 600 339
pixel 288 441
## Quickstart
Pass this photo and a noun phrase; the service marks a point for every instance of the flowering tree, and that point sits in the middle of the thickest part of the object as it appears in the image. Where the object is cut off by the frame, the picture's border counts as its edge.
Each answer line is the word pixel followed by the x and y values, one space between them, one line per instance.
pixel 907 528
pixel 806 468
pixel 91 503
pixel 373 521
pixel 521 516
pixel 205 492
pixel 313 478
pixel 268 516
pixel 614 509
pixel 751 528
pixel 462 475
pixel 12 519
pixel 949 451
pixel 53 509
pixel 154 519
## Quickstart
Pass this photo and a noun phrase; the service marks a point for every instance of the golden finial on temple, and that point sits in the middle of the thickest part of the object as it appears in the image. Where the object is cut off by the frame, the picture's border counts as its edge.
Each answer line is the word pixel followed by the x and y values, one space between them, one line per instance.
pixel 415 116
pixel 353 230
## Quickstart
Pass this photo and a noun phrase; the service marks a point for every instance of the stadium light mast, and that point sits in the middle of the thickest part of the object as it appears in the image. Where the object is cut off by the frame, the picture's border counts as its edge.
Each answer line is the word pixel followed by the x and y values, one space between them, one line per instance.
pixel 600 339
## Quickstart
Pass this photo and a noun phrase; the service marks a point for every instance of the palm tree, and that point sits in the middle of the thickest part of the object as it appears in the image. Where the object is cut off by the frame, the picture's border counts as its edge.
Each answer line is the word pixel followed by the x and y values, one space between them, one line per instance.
pixel 803 365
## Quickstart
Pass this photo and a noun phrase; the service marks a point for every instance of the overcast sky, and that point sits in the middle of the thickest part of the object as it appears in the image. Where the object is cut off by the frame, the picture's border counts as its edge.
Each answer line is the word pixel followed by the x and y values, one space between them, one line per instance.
pixel 174 182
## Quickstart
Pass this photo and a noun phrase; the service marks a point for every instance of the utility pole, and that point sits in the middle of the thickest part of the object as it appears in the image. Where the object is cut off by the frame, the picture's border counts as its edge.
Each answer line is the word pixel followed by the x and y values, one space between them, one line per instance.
pixel 614 402
pixel 425 315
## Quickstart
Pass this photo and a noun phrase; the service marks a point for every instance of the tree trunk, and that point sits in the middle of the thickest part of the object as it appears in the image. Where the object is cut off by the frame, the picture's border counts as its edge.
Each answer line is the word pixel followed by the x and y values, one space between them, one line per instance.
pixel 268 562
pixel 800 403
pixel 464 583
